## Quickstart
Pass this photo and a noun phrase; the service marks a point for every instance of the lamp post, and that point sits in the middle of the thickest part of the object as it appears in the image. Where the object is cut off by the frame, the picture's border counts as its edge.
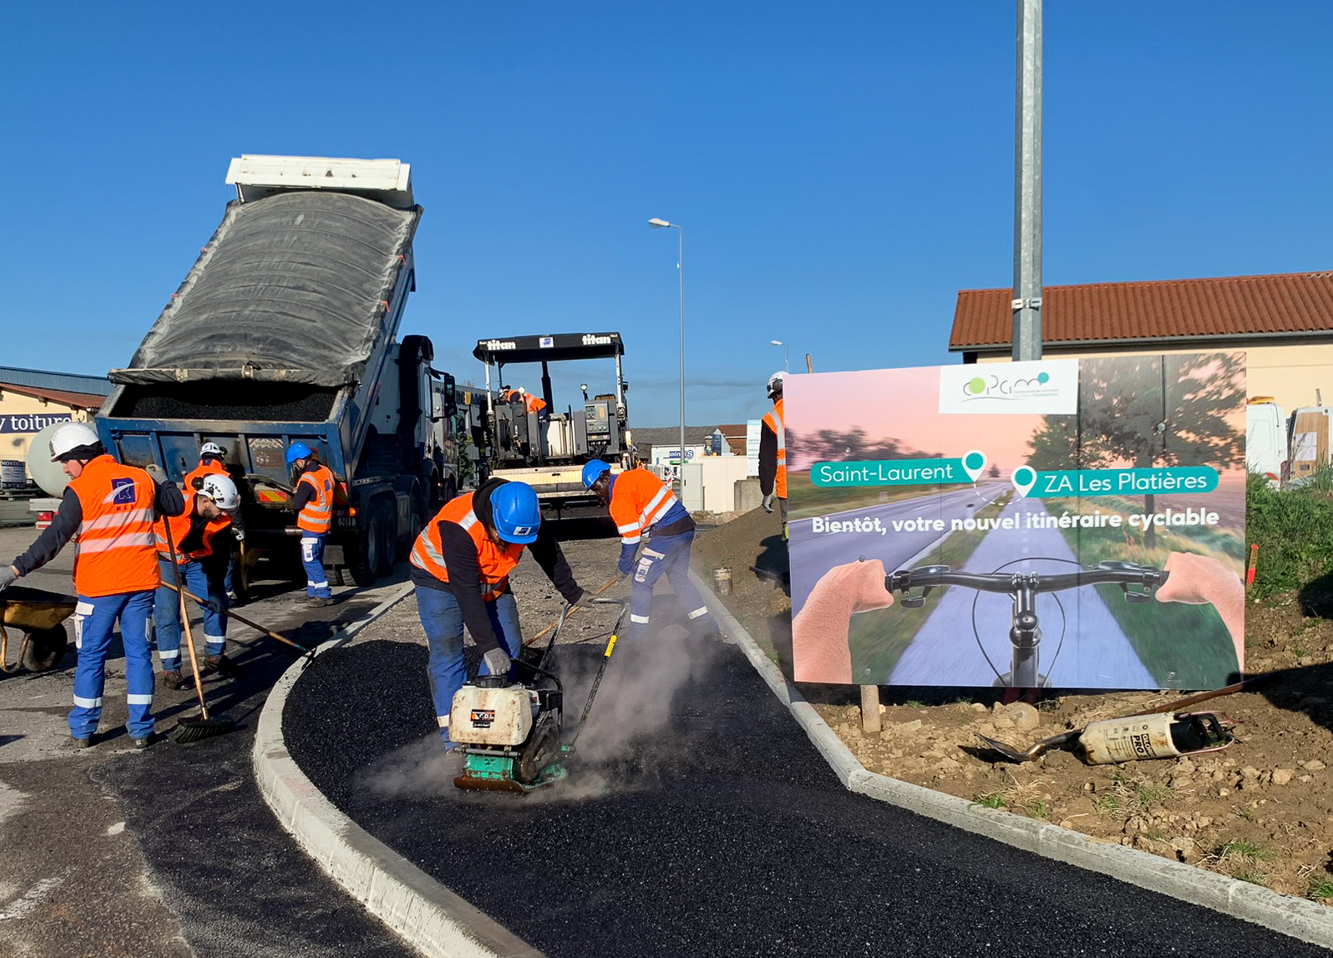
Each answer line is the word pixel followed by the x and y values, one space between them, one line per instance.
pixel 786 363
pixel 658 224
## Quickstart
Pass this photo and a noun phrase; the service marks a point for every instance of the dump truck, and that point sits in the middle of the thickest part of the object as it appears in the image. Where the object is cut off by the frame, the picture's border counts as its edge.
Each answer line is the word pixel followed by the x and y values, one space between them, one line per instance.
pixel 547 448
pixel 286 330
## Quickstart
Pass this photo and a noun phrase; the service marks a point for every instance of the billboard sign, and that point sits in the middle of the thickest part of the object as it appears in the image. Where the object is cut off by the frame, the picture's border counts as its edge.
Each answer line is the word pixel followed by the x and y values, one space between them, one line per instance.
pixel 1074 524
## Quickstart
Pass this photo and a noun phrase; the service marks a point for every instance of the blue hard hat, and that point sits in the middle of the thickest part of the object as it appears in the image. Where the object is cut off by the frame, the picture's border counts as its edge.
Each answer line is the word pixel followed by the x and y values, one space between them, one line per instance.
pixel 298 450
pixel 593 471
pixel 516 512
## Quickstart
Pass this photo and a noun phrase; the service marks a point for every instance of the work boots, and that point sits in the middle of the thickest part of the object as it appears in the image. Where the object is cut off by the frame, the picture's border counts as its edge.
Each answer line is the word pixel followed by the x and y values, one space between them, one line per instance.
pixel 319 602
pixel 174 680
pixel 222 665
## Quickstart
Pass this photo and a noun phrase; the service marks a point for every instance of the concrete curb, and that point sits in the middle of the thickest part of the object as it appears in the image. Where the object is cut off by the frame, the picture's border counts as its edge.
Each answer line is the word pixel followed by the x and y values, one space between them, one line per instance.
pixel 1296 917
pixel 424 913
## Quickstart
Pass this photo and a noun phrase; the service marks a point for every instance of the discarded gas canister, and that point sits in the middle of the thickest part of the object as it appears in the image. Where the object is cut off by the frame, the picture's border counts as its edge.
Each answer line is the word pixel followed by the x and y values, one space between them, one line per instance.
pixel 722 581
pixel 1153 736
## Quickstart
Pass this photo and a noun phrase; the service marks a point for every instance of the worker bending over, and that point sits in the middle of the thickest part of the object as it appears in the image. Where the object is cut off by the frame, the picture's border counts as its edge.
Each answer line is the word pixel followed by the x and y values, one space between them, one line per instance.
pixel 207 514
pixel 773 452
pixel 212 462
pixel 312 501
pixel 460 567
pixel 112 508
pixel 639 502
pixel 520 395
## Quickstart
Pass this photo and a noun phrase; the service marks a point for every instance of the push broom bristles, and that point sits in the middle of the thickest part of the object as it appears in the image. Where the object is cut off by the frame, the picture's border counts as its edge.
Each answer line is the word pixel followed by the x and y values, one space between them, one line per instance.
pixel 191 730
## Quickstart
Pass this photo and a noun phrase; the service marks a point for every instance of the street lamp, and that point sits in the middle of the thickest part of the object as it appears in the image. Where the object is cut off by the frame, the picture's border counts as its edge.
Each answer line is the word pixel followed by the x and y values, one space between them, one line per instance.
pixel 786 362
pixel 658 224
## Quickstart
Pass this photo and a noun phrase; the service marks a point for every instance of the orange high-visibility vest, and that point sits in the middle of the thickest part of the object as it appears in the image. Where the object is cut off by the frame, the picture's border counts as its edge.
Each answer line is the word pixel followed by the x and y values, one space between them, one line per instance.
pixel 117 551
pixel 316 516
pixel 210 468
pixel 638 499
pixel 777 423
pixel 180 528
pixel 495 563
pixel 534 403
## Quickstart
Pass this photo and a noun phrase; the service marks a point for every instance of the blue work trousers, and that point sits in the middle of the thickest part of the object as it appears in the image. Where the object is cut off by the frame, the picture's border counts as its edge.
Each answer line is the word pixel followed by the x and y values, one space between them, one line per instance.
pixel 94 621
pixel 442 620
pixel 669 556
pixel 167 617
pixel 312 557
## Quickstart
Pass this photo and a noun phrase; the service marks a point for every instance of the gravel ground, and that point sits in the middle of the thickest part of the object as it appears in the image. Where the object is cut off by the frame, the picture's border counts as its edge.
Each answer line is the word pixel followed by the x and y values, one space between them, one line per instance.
pixel 698 819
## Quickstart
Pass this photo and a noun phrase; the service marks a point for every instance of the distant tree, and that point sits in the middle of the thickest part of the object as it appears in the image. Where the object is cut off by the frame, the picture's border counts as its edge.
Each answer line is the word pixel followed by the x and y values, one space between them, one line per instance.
pixel 993 471
pixel 1147 411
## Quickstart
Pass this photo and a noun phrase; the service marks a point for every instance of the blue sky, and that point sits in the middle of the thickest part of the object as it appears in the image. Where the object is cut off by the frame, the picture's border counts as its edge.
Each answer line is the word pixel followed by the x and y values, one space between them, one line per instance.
pixel 841 169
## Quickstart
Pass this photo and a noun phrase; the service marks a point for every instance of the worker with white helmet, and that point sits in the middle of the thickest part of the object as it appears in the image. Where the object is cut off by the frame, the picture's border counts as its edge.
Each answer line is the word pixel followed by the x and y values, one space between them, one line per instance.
pixel 112 508
pixel 212 462
pixel 208 512
pixel 773 452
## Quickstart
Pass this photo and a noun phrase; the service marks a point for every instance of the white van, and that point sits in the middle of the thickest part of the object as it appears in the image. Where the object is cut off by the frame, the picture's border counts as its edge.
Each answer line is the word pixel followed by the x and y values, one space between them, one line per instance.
pixel 1266 450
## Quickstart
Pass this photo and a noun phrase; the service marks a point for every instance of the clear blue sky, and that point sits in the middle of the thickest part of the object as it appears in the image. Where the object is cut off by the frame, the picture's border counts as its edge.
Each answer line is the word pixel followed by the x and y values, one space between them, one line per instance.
pixel 841 169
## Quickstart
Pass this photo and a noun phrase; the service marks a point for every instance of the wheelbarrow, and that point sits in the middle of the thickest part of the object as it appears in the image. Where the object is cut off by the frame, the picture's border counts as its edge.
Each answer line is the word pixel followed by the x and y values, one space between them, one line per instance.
pixel 40 616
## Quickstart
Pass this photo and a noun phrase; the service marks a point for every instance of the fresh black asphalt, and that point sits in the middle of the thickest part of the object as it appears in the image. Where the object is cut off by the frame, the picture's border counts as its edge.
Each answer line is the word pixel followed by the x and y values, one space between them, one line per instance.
pixel 721 833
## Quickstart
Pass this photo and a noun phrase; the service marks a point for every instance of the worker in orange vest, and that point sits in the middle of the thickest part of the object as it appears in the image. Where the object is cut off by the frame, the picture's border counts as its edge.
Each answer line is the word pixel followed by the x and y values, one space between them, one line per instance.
pixel 530 402
pixel 639 502
pixel 111 507
pixel 460 568
pixel 773 452
pixel 207 513
pixel 212 463
pixel 312 501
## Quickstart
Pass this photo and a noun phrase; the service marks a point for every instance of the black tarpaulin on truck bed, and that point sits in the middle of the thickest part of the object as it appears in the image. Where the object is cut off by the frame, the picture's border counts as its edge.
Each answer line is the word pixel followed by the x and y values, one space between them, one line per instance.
pixel 291 288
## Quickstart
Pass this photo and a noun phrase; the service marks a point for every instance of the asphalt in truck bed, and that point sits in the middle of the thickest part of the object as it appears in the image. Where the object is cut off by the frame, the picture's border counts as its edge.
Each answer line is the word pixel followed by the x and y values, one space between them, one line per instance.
pixel 698 819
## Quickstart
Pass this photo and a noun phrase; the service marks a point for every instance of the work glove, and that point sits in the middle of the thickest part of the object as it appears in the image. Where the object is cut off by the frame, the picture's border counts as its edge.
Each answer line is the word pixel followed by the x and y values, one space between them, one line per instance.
pixel 497 660
pixel 767 502
pixel 238 533
pixel 155 471
pixel 7 576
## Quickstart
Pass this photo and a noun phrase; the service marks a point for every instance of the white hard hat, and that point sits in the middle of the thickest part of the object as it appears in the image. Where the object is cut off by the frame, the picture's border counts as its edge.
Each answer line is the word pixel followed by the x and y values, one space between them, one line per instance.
pixel 211 449
pixel 222 491
pixel 70 437
pixel 775 382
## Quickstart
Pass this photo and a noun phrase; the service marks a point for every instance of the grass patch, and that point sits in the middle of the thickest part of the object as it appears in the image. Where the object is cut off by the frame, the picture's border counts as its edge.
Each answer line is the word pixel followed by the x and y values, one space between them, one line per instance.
pixel 878 639
pixel 1320 887
pixel 1245 851
pixel 1294 532
pixel 1146 795
pixel 1106 804
pixel 1037 809
pixel 990 800
pixel 1253 877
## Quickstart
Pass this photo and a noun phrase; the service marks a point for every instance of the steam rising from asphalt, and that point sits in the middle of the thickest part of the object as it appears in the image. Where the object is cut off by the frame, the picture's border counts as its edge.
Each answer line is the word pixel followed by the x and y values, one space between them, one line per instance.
pixel 628 741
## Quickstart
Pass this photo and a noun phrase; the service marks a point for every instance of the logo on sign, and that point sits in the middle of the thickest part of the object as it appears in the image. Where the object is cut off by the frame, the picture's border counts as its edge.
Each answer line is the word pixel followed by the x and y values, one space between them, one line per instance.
pixel 590 339
pixel 482 718
pixel 494 344
pixel 31 422
pixel 546 342
pixel 122 491
pixel 1044 387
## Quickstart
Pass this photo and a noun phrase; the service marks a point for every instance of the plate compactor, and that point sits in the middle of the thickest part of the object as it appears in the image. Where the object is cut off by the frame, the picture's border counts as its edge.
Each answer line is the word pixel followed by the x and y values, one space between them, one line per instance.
pixel 510 732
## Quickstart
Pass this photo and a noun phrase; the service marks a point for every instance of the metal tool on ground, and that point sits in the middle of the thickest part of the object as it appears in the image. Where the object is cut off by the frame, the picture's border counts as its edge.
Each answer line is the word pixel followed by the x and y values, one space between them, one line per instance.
pixel 1210 735
pixel 510 733
pixel 39 616
pixel 213 607
pixel 191 730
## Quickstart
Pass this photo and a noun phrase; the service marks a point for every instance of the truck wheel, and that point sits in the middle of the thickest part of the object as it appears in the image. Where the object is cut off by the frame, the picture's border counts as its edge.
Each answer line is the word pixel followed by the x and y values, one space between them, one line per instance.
pixel 364 554
pixel 409 537
pixel 388 530
pixel 46 649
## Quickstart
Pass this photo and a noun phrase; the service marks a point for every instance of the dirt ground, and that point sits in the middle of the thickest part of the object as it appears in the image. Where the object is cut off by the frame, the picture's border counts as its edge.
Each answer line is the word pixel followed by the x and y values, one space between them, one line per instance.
pixel 1260 810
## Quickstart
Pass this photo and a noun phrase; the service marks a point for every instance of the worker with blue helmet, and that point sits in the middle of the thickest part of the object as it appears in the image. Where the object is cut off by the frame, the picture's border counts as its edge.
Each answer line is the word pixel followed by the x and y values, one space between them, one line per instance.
pixel 642 504
pixel 460 568
pixel 312 501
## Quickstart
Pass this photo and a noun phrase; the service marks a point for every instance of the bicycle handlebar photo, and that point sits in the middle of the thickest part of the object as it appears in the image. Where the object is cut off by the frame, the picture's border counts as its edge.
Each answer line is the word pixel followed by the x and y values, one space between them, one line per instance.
pixel 1116 573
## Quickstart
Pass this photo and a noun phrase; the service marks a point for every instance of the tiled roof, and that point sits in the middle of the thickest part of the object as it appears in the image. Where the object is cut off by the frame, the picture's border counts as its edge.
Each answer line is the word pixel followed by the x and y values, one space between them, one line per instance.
pixel 1224 306
pixel 77 400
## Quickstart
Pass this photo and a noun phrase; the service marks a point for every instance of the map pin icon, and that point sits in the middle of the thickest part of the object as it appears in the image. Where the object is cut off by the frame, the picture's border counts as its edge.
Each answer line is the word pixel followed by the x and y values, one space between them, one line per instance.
pixel 1024 478
pixel 973 463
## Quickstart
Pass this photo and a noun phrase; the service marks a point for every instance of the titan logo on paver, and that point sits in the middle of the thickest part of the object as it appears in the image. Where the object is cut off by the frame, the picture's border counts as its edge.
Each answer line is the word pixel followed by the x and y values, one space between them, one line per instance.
pixel 501 344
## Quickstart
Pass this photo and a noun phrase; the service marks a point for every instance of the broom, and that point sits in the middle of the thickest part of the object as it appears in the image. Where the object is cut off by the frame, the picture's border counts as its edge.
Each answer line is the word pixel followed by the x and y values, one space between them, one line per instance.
pixel 191 730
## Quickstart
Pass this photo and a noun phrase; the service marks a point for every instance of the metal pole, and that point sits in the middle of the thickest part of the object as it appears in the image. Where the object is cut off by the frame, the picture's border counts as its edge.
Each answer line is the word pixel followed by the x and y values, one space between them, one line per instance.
pixel 680 268
pixel 1026 302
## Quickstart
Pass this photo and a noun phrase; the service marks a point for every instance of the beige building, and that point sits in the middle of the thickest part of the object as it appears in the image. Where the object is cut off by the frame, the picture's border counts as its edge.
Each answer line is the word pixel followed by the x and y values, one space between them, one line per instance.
pixel 1283 322
pixel 25 409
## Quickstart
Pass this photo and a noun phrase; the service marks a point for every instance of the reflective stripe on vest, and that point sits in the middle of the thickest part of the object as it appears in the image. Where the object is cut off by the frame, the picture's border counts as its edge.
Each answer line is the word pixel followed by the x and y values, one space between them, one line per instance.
pixel 776 420
pixel 494 563
pixel 317 515
pixel 638 500
pixel 117 551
